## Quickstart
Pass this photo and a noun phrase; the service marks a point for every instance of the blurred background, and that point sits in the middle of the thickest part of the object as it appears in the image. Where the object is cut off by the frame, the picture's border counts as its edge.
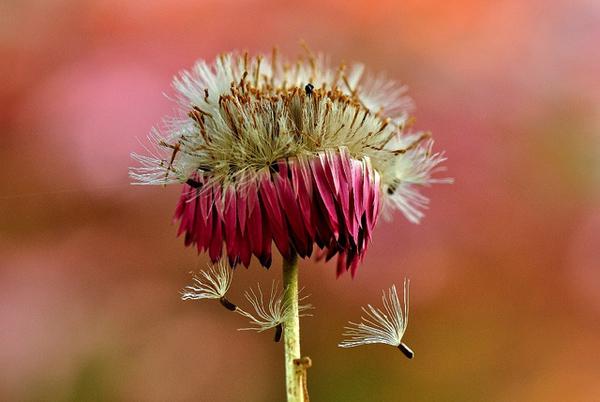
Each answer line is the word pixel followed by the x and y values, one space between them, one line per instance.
pixel 505 297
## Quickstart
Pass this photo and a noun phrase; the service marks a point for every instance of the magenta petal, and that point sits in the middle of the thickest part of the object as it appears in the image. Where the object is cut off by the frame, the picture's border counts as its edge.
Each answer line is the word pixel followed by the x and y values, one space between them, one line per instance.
pixel 206 212
pixel 353 223
pixel 205 198
pixel 231 229
pixel 364 235
pixel 341 264
pixel 289 206
pixel 251 190
pixel 326 196
pixel 296 175
pixel 216 240
pixel 282 168
pixel 373 199
pixel 344 200
pixel 242 202
pixel 265 254
pixel 255 229
pixel 376 198
pixel 268 197
pixel 244 249
pixel 306 173
pixel 306 211
pixel 357 188
pixel 180 209
pixel 282 242
pixel 367 194
pixel 229 217
pixel 332 250
pixel 200 228
pixel 354 266
pixel 219 202
pixel 190 221
pixel 345 160
pixel 302 187
pixel 333 170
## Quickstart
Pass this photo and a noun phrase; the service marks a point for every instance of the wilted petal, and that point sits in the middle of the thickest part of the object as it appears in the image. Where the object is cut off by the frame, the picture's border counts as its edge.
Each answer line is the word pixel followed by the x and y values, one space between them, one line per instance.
pixel 331 201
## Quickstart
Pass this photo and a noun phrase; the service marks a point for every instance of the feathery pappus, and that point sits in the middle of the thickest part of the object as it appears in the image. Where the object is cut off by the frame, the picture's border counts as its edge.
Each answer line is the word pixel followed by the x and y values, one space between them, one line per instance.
pixel 385 326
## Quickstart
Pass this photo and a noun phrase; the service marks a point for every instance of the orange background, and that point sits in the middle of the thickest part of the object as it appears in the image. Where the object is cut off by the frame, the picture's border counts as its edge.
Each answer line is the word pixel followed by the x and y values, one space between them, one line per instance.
pixel 505 268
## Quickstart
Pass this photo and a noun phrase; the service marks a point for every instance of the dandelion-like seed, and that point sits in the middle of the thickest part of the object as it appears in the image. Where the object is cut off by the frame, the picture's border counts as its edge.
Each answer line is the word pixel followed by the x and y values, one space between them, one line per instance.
pixel 295 153
pixel 213 283
pixel 385 326
pixel 272 313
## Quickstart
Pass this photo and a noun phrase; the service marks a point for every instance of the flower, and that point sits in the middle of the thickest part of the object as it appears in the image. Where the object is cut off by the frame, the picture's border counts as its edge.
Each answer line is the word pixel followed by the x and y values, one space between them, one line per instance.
pixel 295 153
pixel 385 326
pixel 269 315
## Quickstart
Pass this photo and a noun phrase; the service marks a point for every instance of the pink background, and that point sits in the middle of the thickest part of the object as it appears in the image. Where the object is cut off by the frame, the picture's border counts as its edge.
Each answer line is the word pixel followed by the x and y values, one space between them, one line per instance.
pixel 505 268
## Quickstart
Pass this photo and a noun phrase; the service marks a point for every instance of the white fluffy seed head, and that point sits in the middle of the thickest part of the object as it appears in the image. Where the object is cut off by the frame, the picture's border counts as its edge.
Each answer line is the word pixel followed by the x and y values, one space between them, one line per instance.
pixel 272 312
pixel 385 326
pixel 212 283
pixel 238 115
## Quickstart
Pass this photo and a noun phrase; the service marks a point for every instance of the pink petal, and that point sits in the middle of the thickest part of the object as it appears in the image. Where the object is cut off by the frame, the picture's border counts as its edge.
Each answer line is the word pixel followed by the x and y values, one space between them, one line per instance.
pixel 265 255
pixel 333 170
pixel 301 183
pixel 357 188
pixel 344 199
pixel 206 213
pixel 255 228
pixel 251 190
pixel 354 266
pixel 289 206
pixel 200 228
pixel 244 249
pixel 229 219
pixel 268 197
pixel 377 198
pixel 373 199
pixel 325 195
pixel 216 241
pixel 242 202
pixel 341 264
pixel 218 201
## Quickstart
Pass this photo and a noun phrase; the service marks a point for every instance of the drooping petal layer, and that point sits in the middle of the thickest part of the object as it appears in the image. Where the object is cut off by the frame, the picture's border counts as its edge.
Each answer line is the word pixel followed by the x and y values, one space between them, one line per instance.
pixel 330 200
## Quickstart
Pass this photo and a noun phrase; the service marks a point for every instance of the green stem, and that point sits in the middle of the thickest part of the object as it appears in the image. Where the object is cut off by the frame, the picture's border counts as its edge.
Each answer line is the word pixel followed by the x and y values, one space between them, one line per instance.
pixel 291 331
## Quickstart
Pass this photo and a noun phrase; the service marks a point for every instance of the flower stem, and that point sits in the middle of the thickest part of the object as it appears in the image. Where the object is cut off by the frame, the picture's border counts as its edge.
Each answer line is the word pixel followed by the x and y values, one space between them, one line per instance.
pixel 291 331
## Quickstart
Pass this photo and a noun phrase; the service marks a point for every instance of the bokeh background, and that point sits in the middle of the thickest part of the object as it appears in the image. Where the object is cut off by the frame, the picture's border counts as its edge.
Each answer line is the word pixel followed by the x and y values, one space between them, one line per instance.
pixel 505 268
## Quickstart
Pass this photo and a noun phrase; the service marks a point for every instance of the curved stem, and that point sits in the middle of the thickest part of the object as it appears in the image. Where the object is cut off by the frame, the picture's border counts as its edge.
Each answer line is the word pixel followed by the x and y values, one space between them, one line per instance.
pixel 291 331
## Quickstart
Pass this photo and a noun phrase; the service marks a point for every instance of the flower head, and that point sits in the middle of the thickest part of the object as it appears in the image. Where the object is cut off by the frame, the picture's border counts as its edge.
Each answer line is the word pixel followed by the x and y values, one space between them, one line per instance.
pixel 385 326
pixel 292 152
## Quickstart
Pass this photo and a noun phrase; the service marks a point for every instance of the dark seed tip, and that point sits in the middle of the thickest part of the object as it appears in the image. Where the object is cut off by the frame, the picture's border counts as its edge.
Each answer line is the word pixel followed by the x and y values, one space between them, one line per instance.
pixel 278 332
pixel 406 351
pixel 227 304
